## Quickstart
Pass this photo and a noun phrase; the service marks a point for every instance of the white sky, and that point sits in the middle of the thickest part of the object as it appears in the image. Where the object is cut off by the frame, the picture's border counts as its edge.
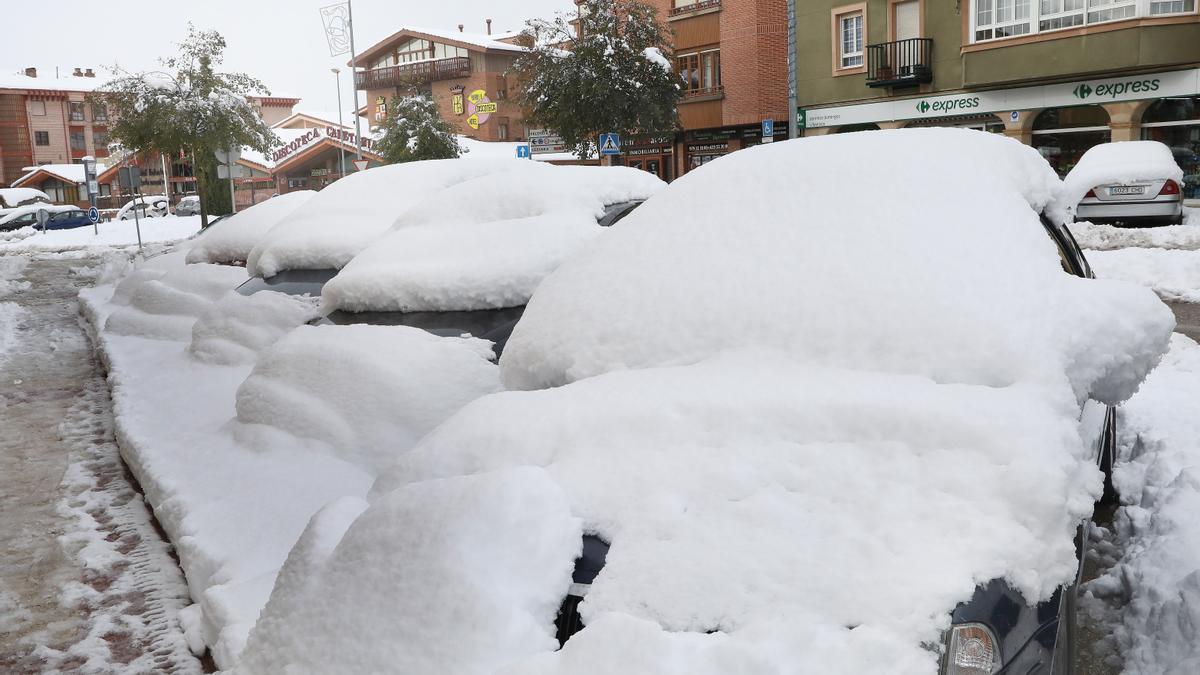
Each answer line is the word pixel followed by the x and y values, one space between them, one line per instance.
pixel 281 42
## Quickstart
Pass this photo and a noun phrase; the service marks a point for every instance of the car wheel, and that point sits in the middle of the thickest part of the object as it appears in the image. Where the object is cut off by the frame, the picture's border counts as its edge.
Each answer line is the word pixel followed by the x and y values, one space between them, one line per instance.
pixel 1065 646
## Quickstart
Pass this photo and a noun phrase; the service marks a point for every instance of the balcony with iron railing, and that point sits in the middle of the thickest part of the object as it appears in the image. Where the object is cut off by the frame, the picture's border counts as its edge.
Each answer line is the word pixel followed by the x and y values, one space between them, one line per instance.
pixel 693 8
pixel 900 63
pixel 409 74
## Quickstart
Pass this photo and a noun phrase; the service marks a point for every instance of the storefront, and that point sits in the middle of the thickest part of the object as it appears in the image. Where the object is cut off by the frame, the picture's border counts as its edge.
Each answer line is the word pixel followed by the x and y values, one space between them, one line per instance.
pixel 1062 135
pixel 1175 122
pixel 655 154
pixel 702 147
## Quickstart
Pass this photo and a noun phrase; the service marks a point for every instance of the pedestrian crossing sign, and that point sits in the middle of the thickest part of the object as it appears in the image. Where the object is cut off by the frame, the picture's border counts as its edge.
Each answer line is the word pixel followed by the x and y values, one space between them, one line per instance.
pixel 610 144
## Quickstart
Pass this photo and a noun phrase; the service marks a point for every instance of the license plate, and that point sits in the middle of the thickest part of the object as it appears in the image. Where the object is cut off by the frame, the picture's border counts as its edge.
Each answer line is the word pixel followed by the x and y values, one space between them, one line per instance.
pixel 1127 190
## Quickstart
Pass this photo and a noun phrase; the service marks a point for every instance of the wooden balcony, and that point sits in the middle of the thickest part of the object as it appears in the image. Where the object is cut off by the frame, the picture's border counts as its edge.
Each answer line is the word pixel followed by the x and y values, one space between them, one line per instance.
pixel 410 74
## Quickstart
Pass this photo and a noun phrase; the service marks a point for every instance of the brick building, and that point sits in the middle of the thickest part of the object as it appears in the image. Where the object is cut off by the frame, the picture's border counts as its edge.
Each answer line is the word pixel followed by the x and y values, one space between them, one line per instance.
pixel 464 72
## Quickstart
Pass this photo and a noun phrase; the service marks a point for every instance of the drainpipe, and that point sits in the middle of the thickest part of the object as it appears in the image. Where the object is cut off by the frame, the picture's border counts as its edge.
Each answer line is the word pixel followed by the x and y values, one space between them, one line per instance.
pixel 793 118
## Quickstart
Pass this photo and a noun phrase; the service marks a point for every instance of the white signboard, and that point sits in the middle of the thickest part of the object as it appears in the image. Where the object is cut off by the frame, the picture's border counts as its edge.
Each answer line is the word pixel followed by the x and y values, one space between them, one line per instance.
pixel 544 141
pixel 1080 92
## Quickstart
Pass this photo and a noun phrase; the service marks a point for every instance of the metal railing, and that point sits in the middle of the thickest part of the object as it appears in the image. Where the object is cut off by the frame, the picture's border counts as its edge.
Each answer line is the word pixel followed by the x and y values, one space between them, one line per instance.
pixel 421 72
pixel 709 91
pixel 694 7
pixel 900 63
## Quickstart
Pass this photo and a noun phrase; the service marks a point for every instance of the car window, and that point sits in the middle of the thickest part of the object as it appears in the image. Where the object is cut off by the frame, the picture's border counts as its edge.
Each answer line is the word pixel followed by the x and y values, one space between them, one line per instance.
pixel 615 212
pixel 291 282
pixel 479 323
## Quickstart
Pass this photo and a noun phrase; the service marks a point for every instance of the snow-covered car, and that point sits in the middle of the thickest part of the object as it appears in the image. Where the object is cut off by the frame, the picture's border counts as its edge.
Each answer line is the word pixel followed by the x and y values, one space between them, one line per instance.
pixel 1130 182
pixel 188 206
pixel 68 219
pixel 15 198
pixel 229 240
pixel 26 216
pixel 786 435
pixel 152 206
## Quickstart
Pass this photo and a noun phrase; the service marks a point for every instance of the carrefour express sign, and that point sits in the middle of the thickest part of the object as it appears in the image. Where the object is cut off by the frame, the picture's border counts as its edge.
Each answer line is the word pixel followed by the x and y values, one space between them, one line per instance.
pixel 1107 90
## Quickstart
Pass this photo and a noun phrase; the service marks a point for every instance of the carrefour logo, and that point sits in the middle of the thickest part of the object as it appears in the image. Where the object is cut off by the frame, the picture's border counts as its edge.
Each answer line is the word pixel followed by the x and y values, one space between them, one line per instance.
pixel 948 105
pixel 1114 90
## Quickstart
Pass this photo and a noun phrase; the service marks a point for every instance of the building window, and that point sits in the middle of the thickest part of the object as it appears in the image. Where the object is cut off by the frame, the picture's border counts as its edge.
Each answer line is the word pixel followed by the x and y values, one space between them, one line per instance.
pixel 99 112
pixel 37 108
pixel 700 72
pixel 997 19
pixel 502 132
pixel 76 111
pixel 100 139
pixel 850 30
pixel 78 142
pixel 41 138
pixel 1175 122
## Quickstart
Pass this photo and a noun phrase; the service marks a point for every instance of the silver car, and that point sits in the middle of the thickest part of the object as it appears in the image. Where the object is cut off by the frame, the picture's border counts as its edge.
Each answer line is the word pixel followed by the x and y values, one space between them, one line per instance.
pixel 188 206
pixel 1143 201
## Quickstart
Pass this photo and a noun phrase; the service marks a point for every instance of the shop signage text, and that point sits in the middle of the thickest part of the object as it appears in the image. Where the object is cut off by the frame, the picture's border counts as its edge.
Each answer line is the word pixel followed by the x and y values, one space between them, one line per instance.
pixel 315 134
pixel 708 147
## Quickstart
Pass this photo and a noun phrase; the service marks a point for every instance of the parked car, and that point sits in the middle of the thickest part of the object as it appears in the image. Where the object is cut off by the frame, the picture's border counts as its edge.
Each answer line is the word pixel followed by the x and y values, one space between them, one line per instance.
pixel 67 220
pixel 188 206
pixel 26 216
pixel 1130 183
pixel 15 198
pixel 152 206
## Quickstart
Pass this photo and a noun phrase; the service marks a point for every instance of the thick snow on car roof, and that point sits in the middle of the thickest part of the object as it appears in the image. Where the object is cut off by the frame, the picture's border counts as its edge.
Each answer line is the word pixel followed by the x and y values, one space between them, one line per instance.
pixel 232 239
pixel 487 242
pixel 809 424
pixel 351 213
pixel 11 197
pixel 1121 162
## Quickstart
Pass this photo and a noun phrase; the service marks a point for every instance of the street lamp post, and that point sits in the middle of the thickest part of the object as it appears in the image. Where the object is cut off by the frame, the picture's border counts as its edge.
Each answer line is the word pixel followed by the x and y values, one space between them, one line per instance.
pixel 337 75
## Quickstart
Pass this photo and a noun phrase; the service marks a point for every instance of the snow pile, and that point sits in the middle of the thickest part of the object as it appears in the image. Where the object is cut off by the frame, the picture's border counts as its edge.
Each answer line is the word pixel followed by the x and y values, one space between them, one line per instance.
pixel 501 593
pixel 236 328
pixel 231 240
pixel 1109 237
pixel 14 196
pixel 351 213
pixel 485 243
pixel 369 392
pixel 1120 162
pixel 1160 485
pixel 774 415
pixel 164 304
pixel 115 233
pixel 1173 274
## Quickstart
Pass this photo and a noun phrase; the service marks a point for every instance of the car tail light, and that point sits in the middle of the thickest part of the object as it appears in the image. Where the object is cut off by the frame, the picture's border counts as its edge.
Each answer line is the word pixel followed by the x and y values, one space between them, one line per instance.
pixel 1090 194
pixel 972 649
pixel 1169 188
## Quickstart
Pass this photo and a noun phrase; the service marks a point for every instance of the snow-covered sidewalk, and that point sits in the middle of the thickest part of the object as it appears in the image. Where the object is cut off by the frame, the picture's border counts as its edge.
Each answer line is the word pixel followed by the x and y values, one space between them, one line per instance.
pixel 1164 259
pixel 112 234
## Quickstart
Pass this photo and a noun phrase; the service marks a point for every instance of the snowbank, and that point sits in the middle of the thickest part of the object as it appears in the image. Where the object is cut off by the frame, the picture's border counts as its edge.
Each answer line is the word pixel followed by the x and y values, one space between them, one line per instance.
pixel 1174 275
pixel 942 289
pixel 1120 162
pixel 237 327
pixel 115 233
pixel 12 197
pixel 369 392
pixel 231 240
pixel 1109 237
pixel 165 307
pixel 487 242
pixel 351 213
pixel 1159 482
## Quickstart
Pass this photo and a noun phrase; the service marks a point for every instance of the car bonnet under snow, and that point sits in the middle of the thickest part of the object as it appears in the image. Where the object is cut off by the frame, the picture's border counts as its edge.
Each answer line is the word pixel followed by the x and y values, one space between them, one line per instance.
pixel 484 243
pixel 345 217
pixel 232 239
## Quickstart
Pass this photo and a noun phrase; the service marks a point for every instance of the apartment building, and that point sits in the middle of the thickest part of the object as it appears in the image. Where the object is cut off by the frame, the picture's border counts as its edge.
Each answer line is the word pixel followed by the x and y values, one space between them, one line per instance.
pixel 1060 75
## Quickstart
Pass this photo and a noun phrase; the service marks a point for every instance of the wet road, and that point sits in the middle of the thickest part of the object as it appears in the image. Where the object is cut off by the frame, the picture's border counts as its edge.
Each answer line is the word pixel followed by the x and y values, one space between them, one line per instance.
pixel 87 583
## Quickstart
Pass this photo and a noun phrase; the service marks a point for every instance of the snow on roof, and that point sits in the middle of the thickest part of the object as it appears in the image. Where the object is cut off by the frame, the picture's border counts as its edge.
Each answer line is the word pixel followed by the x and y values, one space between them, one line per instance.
pixel 485 243
pixel 232 239
pixel 1119 162
pixel 808 427
pixel 483 41
pixel 17 79
pixel 330 116
pixel 70 173
pixel 345 217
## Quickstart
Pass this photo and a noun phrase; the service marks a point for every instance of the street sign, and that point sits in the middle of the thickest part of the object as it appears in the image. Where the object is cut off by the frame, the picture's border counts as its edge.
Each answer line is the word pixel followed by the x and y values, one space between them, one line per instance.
pixel 228 157
pixel 94 215
pixel 768 131
pixel 1014 116
pixel 360 164
pixel 130 177
pixel 523 151
pixel 801 119
pixel 610 144
pixel 42 216
pixel 234 171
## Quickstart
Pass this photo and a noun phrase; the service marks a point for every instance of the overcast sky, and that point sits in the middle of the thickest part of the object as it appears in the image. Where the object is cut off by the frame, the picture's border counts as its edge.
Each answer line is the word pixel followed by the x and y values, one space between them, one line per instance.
pixel 280 42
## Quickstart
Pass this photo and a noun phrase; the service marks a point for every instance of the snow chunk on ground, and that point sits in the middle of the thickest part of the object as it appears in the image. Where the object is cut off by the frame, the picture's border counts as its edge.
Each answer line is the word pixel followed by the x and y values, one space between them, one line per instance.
pixel 231 240
pixel 942 289
pixel 368 391
pixel 485 243
pixel 471 594
pixel 351 213
pixel 1173 275
pixel 164 304
pixel 1109 237
pixel 1159 482
pixel 1120 162
pixel 237 327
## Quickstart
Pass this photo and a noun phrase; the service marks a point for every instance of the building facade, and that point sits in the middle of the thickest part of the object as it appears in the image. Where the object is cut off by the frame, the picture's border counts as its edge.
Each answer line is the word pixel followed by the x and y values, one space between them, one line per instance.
pixel 465 73
pixel 1060 75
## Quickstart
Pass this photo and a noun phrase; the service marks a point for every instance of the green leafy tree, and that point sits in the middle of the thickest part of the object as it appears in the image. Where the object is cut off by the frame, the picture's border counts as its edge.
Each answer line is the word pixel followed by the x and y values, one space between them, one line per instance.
pixel 614 75
pixel 192 109
pixel 414 130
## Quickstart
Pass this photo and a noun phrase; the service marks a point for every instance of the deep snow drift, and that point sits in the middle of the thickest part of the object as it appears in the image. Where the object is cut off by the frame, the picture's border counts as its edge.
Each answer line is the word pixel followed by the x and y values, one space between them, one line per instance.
pixel 486 242
pixel 797 427
pixel 231 240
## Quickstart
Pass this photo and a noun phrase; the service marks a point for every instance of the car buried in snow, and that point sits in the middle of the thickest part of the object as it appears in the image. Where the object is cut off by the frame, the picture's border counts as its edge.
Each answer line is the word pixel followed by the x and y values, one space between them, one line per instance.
pixel 1129 183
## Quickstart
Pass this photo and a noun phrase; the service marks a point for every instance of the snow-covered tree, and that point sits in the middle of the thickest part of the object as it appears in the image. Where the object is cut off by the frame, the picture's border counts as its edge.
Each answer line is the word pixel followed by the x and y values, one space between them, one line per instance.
pixel 414 130
pixel 191 110
pixel 613 74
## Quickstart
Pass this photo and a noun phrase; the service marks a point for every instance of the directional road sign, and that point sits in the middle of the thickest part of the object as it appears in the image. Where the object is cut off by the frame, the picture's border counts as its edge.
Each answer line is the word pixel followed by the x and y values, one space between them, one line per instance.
pixel 522 151
pixel 94 215
pixel 610 144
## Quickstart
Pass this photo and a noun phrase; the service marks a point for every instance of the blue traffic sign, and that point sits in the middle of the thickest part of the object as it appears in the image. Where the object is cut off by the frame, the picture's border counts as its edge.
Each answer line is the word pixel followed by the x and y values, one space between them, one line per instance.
pixel 93 215
pixel 768 128
pixel 610 144
pixel 522 152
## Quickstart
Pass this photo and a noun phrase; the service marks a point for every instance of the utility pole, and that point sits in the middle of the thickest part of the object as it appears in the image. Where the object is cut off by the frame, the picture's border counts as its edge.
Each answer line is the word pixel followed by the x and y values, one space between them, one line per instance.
pixel 337 76
pixel 354 85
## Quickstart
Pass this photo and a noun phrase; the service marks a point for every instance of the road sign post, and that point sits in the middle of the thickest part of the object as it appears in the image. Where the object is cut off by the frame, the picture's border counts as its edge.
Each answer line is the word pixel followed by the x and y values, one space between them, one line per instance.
pixel 42 216
pixel 610 145
pixel 360 164
pixel 131 179
pixel 227 160
pixel 93 189
pixel 768 131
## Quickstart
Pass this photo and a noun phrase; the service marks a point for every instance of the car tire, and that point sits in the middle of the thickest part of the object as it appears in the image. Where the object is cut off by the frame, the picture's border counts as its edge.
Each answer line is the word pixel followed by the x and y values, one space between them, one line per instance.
pixel 1066 643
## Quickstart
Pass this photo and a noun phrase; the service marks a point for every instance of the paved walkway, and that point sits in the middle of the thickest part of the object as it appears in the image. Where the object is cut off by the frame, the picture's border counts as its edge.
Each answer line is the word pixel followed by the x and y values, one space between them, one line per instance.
pixel 87 583
pixel 1187 317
